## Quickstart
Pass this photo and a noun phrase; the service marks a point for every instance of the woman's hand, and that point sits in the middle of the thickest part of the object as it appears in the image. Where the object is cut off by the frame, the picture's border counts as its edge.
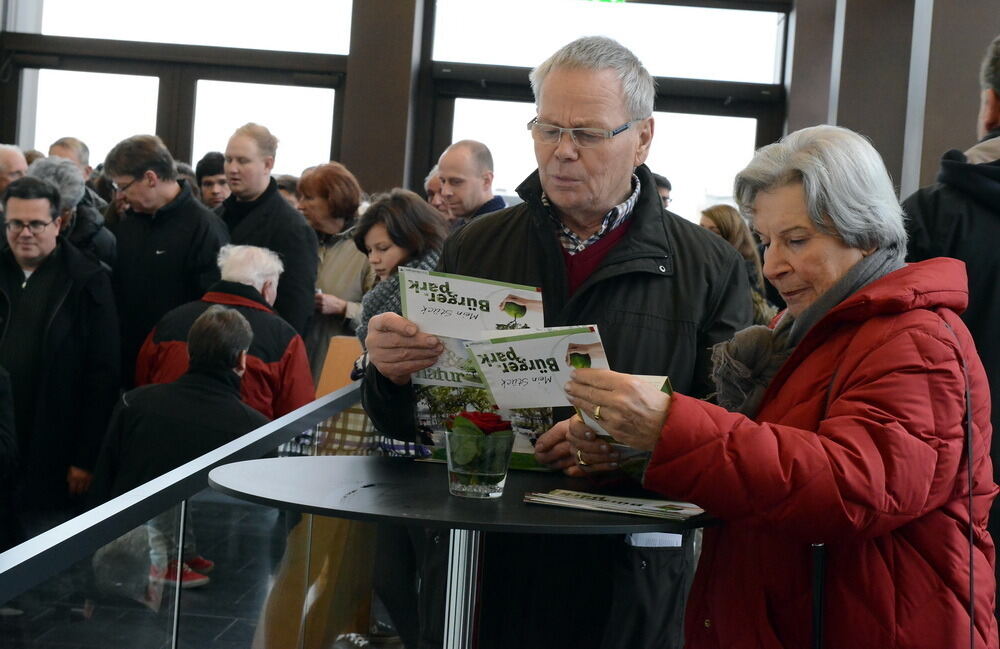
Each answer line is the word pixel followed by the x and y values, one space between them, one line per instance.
pixel 330 304
pixel 558 449
pixel 632 411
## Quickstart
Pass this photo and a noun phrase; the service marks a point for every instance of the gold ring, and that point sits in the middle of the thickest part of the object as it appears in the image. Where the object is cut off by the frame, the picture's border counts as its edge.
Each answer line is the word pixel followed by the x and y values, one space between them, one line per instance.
pixel 579 459
pixel 597 413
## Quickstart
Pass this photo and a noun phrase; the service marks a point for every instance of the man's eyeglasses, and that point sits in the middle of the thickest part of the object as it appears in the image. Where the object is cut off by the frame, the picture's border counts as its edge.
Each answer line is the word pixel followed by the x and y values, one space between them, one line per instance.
pixel 35 227
pixel 582 137
pixel 119 190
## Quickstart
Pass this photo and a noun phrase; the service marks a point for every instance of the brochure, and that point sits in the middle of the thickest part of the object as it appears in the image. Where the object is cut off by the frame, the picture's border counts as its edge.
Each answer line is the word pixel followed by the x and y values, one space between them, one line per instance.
pixel 531 369
pixel 665 509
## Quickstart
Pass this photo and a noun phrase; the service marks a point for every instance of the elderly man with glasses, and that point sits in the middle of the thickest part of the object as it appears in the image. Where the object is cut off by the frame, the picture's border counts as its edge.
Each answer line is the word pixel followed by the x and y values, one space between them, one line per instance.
pixel 593 233
pixel 59 342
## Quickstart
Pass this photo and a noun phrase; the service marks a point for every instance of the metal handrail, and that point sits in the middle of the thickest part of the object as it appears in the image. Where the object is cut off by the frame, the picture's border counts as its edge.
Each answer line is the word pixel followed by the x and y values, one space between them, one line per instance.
pixel 26 565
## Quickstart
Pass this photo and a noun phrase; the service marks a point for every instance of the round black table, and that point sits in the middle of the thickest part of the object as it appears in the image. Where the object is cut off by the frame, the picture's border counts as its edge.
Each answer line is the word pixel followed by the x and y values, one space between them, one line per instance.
pixel 404 491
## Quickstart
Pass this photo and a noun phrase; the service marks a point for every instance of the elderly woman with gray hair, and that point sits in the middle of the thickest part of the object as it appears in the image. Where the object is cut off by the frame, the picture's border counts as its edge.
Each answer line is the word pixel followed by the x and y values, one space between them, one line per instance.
pixel 83 225
pixel 852 437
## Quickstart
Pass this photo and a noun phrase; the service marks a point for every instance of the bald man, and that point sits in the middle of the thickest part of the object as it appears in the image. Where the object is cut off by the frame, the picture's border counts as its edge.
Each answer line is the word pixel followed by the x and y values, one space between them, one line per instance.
pixel 466 172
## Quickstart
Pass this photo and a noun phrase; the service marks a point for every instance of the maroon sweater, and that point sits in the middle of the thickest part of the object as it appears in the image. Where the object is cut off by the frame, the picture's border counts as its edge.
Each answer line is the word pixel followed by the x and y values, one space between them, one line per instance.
pixel 583 264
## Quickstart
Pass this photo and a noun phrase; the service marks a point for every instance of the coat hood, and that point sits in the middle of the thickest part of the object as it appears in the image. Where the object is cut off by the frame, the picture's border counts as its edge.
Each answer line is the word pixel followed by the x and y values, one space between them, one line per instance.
pixel 980 181
pixel 936 283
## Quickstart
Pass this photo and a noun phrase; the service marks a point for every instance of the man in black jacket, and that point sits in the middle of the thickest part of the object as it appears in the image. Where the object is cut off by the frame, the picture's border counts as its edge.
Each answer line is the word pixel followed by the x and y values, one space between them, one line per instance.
pixel 59 342
pixel 257 215
pixel 959 217
pixel 593 234
pixel 9 462
pixel 156 428
pixel 167 241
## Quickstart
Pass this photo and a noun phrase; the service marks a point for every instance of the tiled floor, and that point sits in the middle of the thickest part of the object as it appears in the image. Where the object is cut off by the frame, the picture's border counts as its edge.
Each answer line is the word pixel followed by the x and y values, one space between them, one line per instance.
pixel 246 542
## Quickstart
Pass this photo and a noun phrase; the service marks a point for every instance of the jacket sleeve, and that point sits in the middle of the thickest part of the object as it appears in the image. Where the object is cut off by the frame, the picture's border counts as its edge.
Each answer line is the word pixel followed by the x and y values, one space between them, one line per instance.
pixel 102 371
pixel 203 267
pixel 299 252
pixel 8 438
pixel 732 311
pixel 887 452
pixel 296 384
pixel 146 361
pixel 109 460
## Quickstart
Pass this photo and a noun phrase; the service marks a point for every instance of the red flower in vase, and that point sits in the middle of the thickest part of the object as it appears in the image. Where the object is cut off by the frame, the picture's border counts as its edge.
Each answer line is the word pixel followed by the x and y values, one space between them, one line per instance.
pixel 487 422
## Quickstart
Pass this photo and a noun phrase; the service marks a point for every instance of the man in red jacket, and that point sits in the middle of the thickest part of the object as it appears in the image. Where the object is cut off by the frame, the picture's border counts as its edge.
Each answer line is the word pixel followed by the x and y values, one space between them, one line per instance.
pixel 277 380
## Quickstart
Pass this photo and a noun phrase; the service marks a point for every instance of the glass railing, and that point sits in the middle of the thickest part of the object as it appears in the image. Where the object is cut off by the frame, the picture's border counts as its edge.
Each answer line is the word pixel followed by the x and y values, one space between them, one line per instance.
pixel 259 577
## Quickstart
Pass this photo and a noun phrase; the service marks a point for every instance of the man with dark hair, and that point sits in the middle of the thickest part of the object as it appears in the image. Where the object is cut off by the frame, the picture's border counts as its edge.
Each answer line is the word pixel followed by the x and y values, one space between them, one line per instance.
pixel 59 341
pixel 211 177
pixel 257 215
pixel 156 428
pixel 167 241
pixel 278 379
pixel 959 217
pixel 663 188
pixel 466 172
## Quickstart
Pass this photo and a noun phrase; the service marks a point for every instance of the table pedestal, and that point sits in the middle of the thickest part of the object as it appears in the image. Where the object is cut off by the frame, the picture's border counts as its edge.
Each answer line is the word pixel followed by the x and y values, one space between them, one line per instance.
pixel 462 603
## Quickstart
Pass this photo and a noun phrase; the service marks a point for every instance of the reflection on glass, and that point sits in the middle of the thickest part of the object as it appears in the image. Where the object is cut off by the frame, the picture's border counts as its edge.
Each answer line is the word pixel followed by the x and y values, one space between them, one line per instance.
pixel 294 26
pixel 699 154
pixel 118 597
pixel 671 41
pixel 68 105
pixel 301 119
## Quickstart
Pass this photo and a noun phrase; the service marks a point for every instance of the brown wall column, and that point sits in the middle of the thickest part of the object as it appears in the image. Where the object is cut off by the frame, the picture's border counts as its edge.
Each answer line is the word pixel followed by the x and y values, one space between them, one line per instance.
pixel 808 63
pixel 379 91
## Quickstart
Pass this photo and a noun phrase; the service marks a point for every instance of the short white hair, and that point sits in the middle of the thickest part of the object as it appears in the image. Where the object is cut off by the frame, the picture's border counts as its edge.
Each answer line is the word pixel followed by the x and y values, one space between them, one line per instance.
pixel 433 174
pixel 249 265
pixel 847 188
pixel 602 53
pixel 65 175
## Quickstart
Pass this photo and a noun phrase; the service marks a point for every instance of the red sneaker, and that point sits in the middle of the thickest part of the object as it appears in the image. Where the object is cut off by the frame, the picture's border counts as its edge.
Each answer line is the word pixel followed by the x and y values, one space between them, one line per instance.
pixel 188 578
pixel 200 564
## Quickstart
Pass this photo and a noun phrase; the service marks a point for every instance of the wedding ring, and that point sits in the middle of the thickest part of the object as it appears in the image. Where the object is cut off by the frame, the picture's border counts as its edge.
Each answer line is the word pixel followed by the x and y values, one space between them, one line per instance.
pixel 579 459
pixel 597 413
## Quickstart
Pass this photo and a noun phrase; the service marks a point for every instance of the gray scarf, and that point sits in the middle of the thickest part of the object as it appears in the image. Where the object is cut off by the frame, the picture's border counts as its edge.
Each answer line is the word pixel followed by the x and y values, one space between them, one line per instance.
pixel 743 367
pixel 384 296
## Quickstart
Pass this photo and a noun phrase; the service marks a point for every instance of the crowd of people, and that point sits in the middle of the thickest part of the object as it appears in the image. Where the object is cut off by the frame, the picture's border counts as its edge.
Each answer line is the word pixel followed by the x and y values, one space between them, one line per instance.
pixel 850 428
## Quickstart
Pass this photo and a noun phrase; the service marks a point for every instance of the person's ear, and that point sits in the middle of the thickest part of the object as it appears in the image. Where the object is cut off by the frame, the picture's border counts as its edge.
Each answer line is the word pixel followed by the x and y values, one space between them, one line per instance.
pixel 645 139
pixel 991 109
pixel 241 364
pixel 488 181
pixel 269 163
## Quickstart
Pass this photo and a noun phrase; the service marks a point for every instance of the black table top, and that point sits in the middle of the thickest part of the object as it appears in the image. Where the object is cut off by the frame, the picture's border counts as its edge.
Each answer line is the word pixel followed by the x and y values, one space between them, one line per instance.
pixel 400 490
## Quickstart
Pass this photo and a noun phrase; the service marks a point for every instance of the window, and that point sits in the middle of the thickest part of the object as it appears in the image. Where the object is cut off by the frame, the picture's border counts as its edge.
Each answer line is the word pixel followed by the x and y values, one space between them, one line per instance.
pixel 699 154
pixel 100 109
pixel 671 41
pixel 301 119
pixel 293 25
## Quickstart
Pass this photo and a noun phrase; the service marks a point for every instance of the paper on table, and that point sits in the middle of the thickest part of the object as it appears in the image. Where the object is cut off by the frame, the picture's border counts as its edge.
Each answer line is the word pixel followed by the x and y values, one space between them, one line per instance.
pixel 666 509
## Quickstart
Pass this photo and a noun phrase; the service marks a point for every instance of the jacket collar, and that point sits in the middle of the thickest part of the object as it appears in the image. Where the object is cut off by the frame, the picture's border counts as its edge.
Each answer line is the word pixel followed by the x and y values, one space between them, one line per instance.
pixel 217 380
pixel 180 201
pixel 236 294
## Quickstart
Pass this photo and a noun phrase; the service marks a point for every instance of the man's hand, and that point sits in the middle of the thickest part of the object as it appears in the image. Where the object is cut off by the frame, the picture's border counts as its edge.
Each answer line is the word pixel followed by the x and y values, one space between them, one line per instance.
pixel 556 449
pixel 78 480
pixel 330 304
pixel 398 349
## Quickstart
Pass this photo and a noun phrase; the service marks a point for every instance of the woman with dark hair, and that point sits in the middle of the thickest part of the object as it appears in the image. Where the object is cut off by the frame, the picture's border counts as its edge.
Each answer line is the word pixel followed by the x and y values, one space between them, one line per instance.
pixel 726 222
pixel 399 228
pixel 329 199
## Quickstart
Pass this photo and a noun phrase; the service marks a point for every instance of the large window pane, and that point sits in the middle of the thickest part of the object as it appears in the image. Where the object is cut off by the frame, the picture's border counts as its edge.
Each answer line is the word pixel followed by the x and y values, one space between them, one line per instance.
pixel 301 119
pixel 100 109
pixel 293 25
pixel 699 154
pixel 671 41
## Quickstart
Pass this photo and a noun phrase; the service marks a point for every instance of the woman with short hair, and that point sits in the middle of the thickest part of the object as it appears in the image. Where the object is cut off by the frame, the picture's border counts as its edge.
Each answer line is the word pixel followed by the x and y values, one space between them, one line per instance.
pixel 329 197
pixel 844 425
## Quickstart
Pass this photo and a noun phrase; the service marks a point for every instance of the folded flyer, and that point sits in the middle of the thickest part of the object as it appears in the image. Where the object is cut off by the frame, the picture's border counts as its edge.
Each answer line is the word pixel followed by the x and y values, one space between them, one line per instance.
pixel 457 308
pixel 665 509
pixel 530 370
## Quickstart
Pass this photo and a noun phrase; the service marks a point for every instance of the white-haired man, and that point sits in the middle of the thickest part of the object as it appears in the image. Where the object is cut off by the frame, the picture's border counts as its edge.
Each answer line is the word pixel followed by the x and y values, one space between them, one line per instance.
pixel 432 190
pixel 257 215
pixel 13 165
pixel 277 379
pixel 593 234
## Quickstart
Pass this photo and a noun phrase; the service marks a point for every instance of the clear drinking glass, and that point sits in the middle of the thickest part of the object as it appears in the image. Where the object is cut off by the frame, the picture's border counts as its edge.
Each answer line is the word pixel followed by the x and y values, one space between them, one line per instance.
pixel 477 463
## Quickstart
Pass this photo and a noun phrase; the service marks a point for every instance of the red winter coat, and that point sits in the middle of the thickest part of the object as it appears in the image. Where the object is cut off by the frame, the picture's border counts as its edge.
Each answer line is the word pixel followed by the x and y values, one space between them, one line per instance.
pixel 278 379
pixel 877 475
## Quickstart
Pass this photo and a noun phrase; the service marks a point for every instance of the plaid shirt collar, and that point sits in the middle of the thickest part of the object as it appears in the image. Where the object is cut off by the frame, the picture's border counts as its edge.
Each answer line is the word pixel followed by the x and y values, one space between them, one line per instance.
pixel 614 218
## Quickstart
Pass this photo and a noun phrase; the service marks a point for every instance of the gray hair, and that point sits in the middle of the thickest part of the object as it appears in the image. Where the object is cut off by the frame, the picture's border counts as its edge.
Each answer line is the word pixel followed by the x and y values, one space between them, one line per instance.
pixel 434 172
pixel 848 191
pixel 8 147
pixel 602 53
pixel 217 337
pixel 75 145
pixel 249 265
pixel 989 73
pixel 65 175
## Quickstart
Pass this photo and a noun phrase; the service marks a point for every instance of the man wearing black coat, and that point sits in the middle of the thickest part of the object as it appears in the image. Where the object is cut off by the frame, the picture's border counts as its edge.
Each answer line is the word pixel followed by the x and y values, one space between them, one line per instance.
pixel 59 342
pixel 257 215
pixel 167 241
pixel 959 216
pixel 9 462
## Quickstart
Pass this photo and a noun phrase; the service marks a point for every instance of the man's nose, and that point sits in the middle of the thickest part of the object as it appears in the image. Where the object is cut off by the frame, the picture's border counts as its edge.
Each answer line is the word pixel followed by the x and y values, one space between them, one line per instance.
pixel 566 148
